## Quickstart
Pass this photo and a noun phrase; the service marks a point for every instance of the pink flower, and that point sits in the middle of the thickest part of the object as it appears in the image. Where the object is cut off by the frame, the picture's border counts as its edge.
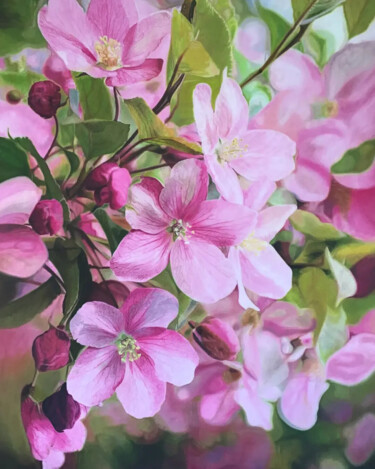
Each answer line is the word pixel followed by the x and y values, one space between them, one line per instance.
pixel 177 223
pixel 22 252
pixel 108 41
pixel 130 351
pixel 231 149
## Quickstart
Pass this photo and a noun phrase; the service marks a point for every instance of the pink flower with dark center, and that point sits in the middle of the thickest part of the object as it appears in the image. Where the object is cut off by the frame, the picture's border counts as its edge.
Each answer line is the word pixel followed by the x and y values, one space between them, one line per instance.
pixel 130 351
pixel 177 223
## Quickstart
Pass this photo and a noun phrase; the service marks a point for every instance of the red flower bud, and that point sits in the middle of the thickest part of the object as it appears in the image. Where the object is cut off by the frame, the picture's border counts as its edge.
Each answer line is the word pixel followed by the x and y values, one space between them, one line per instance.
pixel 13 96
pixel 110 184
pixel 44 98
pixel 216 338
pixel 364 274
pixel 51 349
pixel 47 217
pixel 111 292
pixel 61 409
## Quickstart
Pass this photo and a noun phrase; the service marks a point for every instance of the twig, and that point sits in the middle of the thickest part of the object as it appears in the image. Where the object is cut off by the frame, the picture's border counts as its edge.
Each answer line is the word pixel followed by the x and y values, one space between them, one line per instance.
pixel 117 104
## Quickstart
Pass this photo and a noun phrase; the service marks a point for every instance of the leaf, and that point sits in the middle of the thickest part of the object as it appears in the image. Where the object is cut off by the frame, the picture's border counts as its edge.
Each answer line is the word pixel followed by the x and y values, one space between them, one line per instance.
pixel 227 11
pixel 113 231
pixel 320 8
pixel 70 261
pixel 312 253
pixel 152 129
pixel 73 161
pixel 99 138
pixel 333 334
pixel 356 308
pixel 356 160
pixel 24 309
pixel 277 25
pixel 353 252
pixel 13 161
pixel 94 97
pixel 359 15
pixel 197 61
pixel 20 80
pixel 309 224
pixel 347 286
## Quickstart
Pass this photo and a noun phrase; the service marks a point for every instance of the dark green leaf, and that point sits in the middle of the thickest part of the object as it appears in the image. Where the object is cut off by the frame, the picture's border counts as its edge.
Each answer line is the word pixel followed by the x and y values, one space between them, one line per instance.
pixel 94 97
pixel 73 161
pixel 24 309
pixel 359 15
pixel 356 160
pixel 13 160
pixel 113 231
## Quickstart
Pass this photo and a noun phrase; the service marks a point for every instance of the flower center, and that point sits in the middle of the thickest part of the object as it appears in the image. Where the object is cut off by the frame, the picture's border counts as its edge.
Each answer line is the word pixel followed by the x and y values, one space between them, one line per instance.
pixel 254 245
pixel 128 348
pixel 109 53
pixel 228 151
pixel 325 109
pixel 180 230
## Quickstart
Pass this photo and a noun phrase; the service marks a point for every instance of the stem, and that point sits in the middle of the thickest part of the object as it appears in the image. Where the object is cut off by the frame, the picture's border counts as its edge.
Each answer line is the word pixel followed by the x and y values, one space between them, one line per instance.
pixel 280 49
pixel 36 374
pixel 54 140
pixel 117 104
pixel 139 152
pixel 163 165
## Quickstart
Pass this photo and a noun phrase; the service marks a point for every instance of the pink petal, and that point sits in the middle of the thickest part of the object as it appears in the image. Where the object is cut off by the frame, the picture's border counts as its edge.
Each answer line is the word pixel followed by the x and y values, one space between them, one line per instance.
pixel 201 271
pixel 72 440
pixel 54 460
pixel 271 220
pixel 204 117
pixel 231 110
pixel 258 412
pixel 218 408
pixel 149 307
pixel 243 298
pixel 354 362
pixel 185 189
pixel 144 37
pixel 264 272
pixel 286 320
pixel 141 256
pixel 147 70
pixel 222 223
pixel 110 18
pixel 22 252
pixel 18 197
pixel 269 156
pixel 174 358
pixel 145 213
pixel 96 324
pixel 95 375
pixel 361 439
pixel 141 393
pixel 225 179
pixel 257 195
pixel 364 180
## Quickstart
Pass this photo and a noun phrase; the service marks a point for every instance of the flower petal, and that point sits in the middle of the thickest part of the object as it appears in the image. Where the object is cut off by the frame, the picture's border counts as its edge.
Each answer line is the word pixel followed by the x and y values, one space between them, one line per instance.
pixel 218 408
pixel 258 412
pixel 271 220
pixel 204 117
pixel 141 256
pixel 257 195
pixel 72 440
pixel 174 358
pixel 201 271
pixel 145 71
pixel 95 375
pixel 149 307
pixel 110 18
pixel 96 324
pixel 225 179
pixel 18 197
pixel 141 393
pixel 286 320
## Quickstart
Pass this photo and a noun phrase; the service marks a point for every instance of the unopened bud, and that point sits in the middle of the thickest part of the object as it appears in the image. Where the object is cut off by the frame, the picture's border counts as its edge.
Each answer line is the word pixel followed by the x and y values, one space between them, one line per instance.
pixel 47 217
pixel 111 292
pixel 216 338
pixel 13 96
pixel 364 274
pixel 44 98
pixel 61 409
pixel 51 349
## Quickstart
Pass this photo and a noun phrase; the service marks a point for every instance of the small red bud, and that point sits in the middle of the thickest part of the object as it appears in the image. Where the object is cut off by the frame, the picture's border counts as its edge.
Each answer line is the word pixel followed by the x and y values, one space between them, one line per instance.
pixel 61 409
pixel 45 98
pixel 51 349
pixel 47 217
pixel 111 292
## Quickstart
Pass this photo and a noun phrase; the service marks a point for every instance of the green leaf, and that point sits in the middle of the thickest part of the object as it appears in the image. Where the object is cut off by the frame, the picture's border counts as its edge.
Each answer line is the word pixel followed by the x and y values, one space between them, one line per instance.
pixel 347 286
pixel 227 11
pixel 94 97
pixel 356 160
pixel 24 309
pixel 356 308
pixel 333 334
pixel 73 161
pixel 13 161
pixel 113 231
pixel 309 224
pixel 70 261
pixel 152 129
pixel 99 138
pixel 20 80
pixel 359 15
pixel 351 253
pixel 320 8
pixel 277 25
pixel 312 253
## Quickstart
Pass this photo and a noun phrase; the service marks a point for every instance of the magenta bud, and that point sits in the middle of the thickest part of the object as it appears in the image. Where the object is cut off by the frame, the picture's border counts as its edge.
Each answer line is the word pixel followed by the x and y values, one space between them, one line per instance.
pixel 110 183
pixel 216 338
pixel 13 96
pixel 111 292
pixel 51 349
pixel 61 409
pixel 364 274
pixel 47 217
pixel 44 98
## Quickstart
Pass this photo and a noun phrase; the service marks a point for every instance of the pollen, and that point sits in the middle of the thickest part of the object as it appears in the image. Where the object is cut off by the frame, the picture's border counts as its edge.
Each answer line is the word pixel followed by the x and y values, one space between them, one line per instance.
pixel 128 348
pixel 229 151
pixel 253 245
pixel 109 53
pixel 180 230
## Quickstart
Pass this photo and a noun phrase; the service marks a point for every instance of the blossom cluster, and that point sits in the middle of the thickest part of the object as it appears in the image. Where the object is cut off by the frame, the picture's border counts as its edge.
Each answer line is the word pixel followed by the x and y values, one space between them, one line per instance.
pixel 169 250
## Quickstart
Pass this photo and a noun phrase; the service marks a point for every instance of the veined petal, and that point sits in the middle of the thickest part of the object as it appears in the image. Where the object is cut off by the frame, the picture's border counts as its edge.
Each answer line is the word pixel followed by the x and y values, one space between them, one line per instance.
pixel 225 179
pixel 111 18
pixel 258 412
pixel 204 117
pixel 243 298
pixel 145 71
pixel 18 197
pixel 271 220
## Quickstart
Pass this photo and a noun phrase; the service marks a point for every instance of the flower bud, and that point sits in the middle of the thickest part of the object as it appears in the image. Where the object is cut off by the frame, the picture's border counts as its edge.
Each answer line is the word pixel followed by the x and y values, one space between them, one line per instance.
pixel 13 96
pixel 110 184
pixel 51 349
pixel 111 292
pixel 61 409
pixel 47 217
pixel 216 338
pixel 364 274
pixel 44 98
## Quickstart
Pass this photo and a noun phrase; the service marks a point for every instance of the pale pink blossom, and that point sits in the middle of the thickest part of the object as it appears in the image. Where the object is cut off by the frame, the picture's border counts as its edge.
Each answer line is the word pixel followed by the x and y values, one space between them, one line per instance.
pixel 130 352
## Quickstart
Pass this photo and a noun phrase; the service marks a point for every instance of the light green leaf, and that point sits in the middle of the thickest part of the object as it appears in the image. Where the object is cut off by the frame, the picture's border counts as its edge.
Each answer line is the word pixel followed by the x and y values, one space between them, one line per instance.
pixel 312 253
pixel 347 286
pixel 320 8
pixel 356 308
pixel 359 15
pixel 353 252
pixel 196 61
pixel 94 97
pixel 333 334
pixel 309 224
pixel 13 160
pixel 20 80
pixel 113 231
pixel 227 11
pixel 356 160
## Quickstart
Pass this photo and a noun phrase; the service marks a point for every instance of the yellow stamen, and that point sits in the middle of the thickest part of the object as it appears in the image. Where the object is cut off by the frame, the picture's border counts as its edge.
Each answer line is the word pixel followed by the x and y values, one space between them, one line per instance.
pixel 109 53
